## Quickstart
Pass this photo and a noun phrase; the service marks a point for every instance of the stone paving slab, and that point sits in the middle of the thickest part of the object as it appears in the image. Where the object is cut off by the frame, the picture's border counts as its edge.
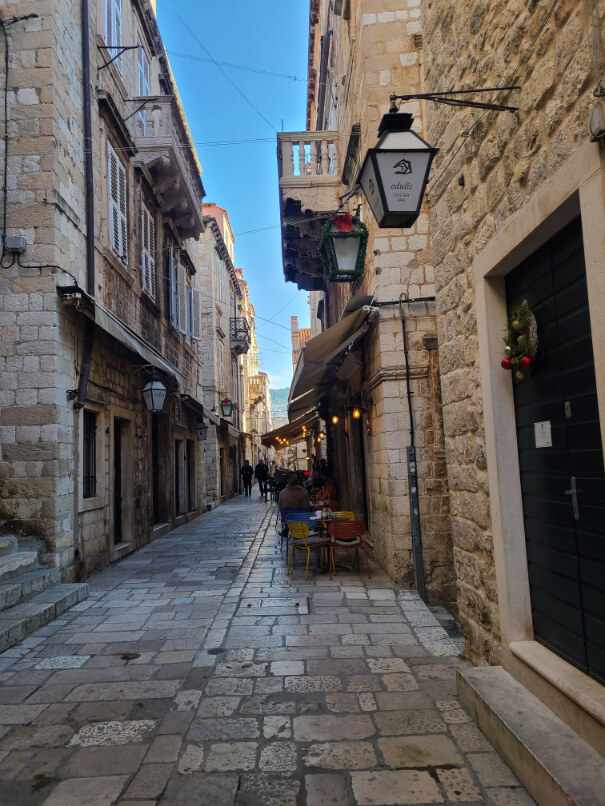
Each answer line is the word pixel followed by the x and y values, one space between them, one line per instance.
pixel 198 673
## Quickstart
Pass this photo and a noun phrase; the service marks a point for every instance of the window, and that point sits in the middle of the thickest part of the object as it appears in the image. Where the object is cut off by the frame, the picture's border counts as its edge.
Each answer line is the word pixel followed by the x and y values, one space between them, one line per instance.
pixel 116 178
pixel 89 457
pixel 113 31
pixel 196 314
pixel 173 289
pixel 143 82
pixel 148 252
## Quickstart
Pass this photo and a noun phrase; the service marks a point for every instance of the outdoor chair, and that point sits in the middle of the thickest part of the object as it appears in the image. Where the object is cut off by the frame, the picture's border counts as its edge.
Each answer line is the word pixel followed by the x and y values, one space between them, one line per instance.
pixel 343 515
pixel 348 535
pixel 284 515
pixel 302 540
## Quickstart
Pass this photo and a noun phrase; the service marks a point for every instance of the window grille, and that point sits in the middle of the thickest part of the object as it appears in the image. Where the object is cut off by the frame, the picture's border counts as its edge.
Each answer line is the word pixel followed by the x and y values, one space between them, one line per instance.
pixel 89 459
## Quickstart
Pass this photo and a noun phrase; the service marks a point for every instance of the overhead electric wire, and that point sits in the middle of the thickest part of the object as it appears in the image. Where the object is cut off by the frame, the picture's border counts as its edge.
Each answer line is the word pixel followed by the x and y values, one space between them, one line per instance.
pixel 217 65
pixel 236 66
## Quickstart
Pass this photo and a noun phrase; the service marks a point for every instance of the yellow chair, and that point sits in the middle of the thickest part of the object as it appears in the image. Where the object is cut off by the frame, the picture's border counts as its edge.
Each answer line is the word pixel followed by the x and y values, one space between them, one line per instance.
pixel 304 541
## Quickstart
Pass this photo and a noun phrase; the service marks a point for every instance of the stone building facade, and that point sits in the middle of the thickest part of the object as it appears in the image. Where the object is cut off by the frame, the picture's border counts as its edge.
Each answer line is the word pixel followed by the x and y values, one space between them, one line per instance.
pixel 359 53
pixel 518 214
pixel 100 294
pixel 225 341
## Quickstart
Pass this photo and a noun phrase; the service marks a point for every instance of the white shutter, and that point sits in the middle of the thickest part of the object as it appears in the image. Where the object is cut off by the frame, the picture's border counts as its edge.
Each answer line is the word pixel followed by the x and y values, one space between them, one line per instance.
pixel 189 308
pixel 148 252
pixel 173 288
pixel 114 199
pixel 123 251
pixel 197 315
pixel 108 23
pixel 182 298
pixel 117 32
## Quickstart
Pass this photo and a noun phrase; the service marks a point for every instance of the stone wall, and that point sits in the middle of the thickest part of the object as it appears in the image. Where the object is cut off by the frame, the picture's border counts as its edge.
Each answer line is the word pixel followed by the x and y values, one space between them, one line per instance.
pixel 377 53
pixel 501 160
pixel 43 341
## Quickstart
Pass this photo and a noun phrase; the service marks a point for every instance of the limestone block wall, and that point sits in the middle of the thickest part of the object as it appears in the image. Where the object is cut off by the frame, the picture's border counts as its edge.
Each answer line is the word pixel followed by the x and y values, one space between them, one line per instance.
pixel 377 53
pixel 504 159
pixel 44 196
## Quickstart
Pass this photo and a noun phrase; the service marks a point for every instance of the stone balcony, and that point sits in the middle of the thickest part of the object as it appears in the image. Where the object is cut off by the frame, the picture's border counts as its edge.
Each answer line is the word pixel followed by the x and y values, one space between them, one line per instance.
pixel 239 335
pixel 309 187
pixel 164 151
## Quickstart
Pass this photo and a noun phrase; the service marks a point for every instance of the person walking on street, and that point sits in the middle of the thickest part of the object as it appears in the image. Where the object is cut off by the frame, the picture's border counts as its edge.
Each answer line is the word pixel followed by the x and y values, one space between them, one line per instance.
pixel 246 472
pixel 261 471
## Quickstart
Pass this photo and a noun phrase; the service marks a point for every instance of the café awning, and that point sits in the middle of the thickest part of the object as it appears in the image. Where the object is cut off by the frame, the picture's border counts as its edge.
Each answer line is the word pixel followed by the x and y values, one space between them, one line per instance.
pixel 321 356
pixel 292 432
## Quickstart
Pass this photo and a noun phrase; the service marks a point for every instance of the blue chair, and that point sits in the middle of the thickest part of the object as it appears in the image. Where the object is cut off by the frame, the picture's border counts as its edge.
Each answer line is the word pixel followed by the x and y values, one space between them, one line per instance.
pixel 299 515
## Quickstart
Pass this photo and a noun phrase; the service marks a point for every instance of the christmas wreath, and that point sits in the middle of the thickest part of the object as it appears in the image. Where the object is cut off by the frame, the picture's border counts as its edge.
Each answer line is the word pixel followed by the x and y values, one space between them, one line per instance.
pixel 521 340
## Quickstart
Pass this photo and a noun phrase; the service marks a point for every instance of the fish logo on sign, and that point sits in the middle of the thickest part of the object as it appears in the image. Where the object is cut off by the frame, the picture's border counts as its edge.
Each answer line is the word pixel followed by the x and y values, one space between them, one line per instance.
pixel 405 166
pixel 372 187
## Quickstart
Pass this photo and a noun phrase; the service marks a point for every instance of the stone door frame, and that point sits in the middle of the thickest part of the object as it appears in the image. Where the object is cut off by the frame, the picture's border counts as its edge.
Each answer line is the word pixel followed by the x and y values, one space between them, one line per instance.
pixel 576 189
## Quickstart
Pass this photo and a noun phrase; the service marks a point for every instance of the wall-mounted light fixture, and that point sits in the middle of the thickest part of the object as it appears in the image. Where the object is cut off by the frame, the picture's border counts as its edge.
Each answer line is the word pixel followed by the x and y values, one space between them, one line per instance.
pixel 395 172
pixel 335 419
pixel 154 394
pixel 227 407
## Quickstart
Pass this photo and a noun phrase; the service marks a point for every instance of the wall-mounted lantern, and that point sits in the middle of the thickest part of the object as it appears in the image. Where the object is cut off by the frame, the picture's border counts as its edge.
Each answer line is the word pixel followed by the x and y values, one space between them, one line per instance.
pixel 394 173
pixel 342 247
pixel 227 407
pixel 335 419
pixel 154 394
pixel 201 429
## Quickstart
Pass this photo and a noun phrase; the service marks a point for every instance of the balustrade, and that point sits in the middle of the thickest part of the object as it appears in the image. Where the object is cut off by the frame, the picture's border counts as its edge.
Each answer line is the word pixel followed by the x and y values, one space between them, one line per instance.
pixel 304 155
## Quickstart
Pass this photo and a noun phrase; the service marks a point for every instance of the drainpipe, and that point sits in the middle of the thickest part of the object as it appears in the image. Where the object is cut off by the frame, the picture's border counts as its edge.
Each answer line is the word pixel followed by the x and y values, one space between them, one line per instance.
pixel 89 201
pixel 416 527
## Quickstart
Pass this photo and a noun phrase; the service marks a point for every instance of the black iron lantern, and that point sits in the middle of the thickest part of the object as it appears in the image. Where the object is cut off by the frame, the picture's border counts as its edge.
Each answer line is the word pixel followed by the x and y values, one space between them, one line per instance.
pixel 154 394
pixel 342 247
pixel 227 407
pixel 394 174
pixel 201 429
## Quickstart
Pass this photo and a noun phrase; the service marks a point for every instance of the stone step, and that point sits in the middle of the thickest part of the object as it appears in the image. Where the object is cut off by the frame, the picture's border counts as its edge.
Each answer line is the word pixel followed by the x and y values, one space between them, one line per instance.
pixel 19 588
pixel 23 619
pixel 8 545
pixel 19 563
pixel 551 760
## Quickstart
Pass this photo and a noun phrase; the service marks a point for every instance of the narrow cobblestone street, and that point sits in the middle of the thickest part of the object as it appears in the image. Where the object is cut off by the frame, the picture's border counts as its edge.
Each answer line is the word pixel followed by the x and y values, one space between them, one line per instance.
pixel 197 672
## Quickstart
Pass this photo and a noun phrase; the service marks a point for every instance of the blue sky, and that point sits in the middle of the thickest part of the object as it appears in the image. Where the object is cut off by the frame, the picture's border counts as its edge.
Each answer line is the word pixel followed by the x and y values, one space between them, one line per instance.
pixel 271 36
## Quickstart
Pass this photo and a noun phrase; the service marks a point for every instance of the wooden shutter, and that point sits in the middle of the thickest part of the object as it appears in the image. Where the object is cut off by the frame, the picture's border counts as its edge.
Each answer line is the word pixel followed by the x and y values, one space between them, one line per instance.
pixel 182 298
pixel 173 288
pixel 148 252
pixel 197 315
pixel 123 212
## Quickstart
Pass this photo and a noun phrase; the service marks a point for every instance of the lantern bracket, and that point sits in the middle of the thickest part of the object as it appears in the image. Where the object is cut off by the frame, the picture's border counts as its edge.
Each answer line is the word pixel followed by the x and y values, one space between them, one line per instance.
pixel 346 196
pixel 442 98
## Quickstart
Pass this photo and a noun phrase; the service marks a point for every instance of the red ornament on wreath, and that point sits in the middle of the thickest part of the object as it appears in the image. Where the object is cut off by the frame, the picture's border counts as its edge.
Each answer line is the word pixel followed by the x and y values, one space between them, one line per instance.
pixel 521 340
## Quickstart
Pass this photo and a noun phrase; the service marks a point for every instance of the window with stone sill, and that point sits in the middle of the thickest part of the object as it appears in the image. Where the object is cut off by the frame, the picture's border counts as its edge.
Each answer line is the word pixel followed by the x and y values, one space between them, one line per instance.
pixel 113 31
pixel 144 83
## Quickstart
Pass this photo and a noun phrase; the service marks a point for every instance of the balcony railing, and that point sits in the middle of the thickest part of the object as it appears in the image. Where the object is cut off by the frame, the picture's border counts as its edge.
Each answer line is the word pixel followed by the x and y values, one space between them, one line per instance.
pixel 239 334
pixel 305 156
pixel 165 150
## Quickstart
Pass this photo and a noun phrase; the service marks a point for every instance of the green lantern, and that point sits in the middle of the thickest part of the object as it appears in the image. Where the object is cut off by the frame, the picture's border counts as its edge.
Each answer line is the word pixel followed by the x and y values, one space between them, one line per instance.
pixel 342 247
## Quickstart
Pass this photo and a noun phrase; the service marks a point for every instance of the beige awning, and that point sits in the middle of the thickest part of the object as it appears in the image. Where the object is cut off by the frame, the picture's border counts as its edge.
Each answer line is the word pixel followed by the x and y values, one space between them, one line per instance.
pixel 320 356
pixel 292 432
pixel 76 297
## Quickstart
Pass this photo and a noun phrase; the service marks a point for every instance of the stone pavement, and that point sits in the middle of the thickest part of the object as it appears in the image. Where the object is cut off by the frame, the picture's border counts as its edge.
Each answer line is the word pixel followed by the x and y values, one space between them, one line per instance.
pixel 199 674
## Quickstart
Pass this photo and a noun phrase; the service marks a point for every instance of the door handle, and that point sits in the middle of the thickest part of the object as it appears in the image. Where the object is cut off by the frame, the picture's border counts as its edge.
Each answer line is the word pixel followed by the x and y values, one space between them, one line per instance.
pixel 574 498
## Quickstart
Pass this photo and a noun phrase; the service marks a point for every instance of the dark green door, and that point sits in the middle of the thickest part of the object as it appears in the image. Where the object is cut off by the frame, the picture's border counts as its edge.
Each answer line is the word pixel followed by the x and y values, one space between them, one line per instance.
pixel 563 485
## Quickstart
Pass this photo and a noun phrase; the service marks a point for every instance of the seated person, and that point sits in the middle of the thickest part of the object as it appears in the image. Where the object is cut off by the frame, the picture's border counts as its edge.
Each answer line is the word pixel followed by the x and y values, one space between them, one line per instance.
pixel 293 496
